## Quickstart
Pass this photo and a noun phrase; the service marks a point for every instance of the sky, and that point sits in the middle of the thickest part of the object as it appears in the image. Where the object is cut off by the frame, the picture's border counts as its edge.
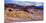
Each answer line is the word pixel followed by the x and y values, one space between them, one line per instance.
pixel 22 2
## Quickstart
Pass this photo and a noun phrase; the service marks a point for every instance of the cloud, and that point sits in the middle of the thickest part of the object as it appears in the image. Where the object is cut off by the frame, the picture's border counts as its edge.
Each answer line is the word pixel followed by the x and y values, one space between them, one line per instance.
pixel 27 3
pixel 30 0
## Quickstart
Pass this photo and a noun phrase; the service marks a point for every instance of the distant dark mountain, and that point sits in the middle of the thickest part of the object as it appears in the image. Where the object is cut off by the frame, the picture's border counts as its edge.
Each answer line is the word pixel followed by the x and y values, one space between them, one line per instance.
pixel 39 6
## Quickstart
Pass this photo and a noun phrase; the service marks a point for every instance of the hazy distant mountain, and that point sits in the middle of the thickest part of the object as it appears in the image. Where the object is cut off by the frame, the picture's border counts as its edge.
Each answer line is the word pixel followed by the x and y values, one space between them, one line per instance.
pixel 21 6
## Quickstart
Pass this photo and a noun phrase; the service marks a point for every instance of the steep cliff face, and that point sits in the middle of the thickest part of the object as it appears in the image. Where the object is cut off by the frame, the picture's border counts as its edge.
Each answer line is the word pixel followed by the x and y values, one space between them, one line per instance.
pixel 20 14
pixel 33 14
